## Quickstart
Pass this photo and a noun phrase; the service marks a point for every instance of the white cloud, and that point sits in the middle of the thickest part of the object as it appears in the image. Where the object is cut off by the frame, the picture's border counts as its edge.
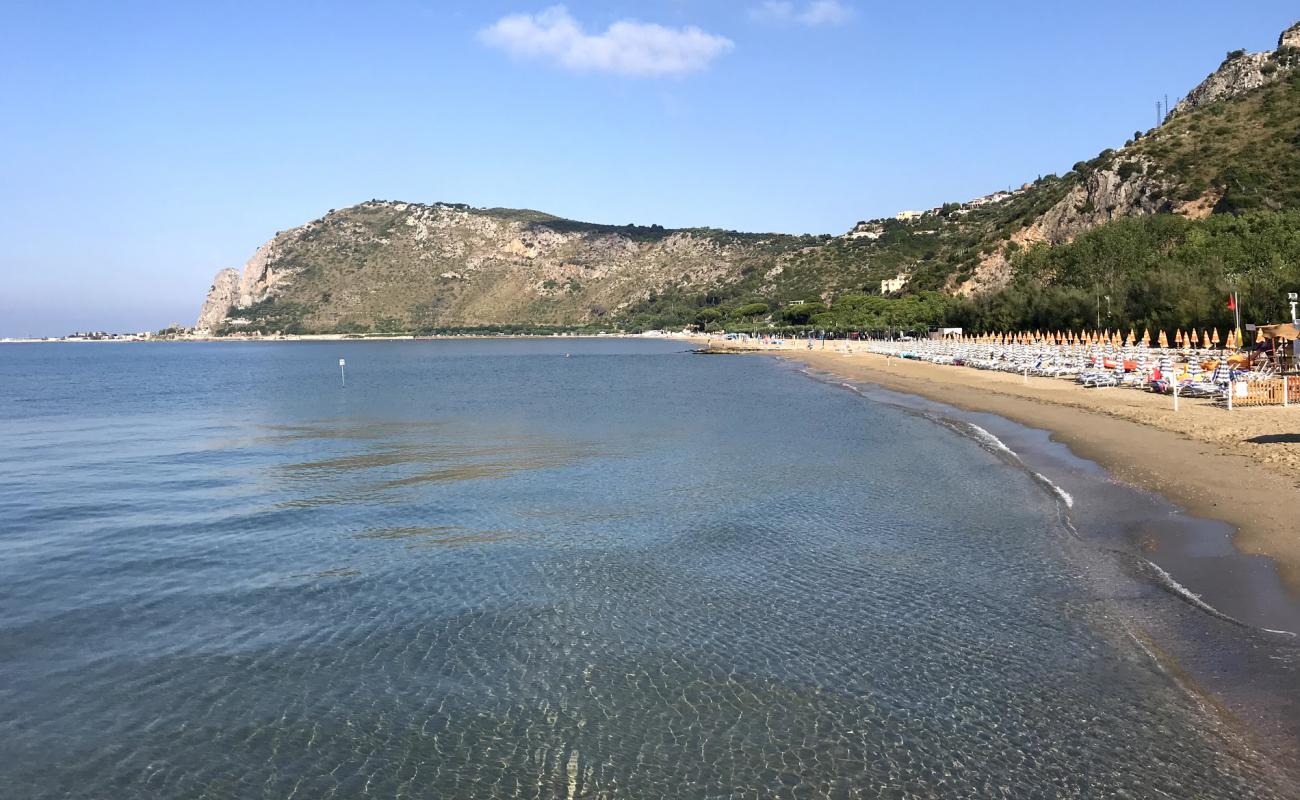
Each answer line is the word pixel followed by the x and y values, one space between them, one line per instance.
pixel 627 47
pixel 812 15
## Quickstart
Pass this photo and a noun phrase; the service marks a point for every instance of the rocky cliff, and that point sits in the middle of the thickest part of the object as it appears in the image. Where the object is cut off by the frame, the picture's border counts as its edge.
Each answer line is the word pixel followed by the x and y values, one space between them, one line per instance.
pixel 405 266
pixel 1243 72
pixel 223 295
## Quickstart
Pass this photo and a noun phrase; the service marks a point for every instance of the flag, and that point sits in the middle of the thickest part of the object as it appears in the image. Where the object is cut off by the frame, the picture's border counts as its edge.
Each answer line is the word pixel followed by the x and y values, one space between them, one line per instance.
pixel 1232 302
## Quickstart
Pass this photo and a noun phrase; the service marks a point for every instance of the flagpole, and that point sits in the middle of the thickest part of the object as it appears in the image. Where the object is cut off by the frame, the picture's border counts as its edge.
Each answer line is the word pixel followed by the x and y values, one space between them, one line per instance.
pixel 1236 309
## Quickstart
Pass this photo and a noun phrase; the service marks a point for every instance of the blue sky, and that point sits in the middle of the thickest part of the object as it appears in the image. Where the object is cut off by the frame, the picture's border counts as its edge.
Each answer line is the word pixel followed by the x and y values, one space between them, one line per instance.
pixel 144 145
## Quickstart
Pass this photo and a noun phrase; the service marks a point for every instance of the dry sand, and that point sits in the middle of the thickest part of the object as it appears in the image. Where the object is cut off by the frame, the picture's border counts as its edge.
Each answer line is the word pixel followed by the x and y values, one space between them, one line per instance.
pixel 1240 466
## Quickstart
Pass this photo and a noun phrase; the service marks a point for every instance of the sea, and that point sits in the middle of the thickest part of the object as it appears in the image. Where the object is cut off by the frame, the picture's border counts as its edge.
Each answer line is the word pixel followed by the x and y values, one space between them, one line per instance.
pixel 559 568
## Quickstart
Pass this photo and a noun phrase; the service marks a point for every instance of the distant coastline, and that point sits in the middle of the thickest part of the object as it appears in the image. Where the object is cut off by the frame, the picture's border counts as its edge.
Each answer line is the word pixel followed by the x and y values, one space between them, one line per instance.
pixel 346 337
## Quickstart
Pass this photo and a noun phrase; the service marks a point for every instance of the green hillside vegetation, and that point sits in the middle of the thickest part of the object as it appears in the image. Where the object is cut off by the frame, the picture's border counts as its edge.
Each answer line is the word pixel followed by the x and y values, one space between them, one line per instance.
pixel 1247 148
pixel 1162 271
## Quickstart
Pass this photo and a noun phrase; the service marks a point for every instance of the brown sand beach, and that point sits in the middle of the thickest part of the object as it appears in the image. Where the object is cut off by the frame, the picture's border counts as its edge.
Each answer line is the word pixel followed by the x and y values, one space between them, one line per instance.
pixel 1241 466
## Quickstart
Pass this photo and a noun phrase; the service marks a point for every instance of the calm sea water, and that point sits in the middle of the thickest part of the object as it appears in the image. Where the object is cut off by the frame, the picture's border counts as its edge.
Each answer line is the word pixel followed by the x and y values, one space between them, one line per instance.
pixel 486 569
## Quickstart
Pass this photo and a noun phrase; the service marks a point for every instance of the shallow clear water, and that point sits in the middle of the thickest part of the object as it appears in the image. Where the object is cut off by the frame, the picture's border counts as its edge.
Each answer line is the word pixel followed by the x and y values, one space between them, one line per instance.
pixel 484 569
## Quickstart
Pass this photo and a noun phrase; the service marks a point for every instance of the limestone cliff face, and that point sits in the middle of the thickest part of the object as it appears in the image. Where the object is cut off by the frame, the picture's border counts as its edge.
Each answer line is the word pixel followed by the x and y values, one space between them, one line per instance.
pixel 1243 72
pixel 406 266
pixel 1290 38
pixel 222 296
pixel 1124 189
pixel 259 276
pixel 1235 76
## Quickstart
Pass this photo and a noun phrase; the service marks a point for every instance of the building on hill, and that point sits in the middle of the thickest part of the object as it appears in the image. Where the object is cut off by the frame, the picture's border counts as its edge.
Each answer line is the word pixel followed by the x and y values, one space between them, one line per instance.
pixel 907 216
pixel 894 284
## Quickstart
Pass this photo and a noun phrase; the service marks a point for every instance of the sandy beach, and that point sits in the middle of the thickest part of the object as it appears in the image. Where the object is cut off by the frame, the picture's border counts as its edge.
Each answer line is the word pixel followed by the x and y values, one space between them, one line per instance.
pixel 1241 466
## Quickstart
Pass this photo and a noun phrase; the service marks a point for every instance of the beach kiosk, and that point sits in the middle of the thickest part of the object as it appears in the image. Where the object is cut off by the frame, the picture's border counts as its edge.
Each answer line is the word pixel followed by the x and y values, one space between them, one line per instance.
pixel 1282 342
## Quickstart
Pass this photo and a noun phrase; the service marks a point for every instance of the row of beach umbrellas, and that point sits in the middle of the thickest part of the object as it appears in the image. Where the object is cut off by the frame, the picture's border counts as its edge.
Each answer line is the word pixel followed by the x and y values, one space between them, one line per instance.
pixel 1192 339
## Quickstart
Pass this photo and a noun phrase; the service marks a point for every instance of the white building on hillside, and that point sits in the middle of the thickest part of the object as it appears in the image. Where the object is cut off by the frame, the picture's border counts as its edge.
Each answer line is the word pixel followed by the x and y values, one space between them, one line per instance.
pixel 894 284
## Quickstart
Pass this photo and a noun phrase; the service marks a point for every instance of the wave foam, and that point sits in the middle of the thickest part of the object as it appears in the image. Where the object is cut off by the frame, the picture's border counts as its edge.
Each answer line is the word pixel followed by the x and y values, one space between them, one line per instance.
pixel 1195 599
pixel 992 441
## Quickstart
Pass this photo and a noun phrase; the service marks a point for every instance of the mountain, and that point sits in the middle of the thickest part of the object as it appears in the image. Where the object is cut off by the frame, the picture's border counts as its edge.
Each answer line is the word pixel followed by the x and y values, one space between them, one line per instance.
pixel 392 266
pixel 1231 148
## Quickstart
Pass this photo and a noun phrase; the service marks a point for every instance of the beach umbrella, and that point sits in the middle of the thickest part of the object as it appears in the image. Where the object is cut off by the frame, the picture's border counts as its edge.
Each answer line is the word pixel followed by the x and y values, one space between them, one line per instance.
pixel 1232 340
pixel 1146 336
pixel 1132 336
pixel 1164 339
pixel 1215 337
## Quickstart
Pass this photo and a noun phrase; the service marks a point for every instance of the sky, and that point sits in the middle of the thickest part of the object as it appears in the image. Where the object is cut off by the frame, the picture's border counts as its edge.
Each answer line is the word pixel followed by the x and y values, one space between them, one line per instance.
pixel 144 146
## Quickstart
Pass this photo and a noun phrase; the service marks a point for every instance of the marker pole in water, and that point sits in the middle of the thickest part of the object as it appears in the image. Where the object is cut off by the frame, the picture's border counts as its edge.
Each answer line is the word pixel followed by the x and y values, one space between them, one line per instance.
pixel 343 375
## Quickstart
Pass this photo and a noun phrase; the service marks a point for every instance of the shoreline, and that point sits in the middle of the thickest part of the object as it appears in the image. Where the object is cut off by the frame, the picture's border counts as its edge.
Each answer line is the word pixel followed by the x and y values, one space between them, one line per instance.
pixel 1219 619
pixel 1180 457
pixel 336 337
